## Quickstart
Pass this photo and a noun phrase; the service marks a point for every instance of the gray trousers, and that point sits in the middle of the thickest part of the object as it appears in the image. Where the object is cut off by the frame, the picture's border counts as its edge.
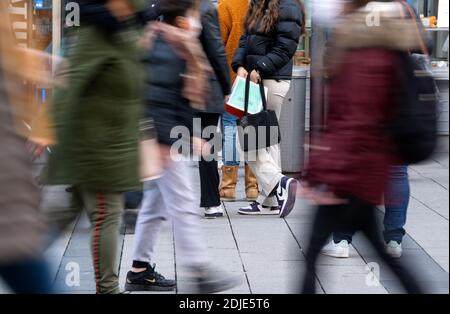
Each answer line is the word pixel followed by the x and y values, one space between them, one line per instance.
pixel 170 196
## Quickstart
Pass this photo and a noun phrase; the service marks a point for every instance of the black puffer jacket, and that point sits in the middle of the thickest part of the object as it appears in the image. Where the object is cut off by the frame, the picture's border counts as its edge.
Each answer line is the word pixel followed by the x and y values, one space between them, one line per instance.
pixel 214 48
pixel 164 91
pixel 271 54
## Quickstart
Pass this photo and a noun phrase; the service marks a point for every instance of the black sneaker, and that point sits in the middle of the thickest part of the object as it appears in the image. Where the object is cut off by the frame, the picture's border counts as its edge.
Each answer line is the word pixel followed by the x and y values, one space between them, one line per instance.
pixel 148 280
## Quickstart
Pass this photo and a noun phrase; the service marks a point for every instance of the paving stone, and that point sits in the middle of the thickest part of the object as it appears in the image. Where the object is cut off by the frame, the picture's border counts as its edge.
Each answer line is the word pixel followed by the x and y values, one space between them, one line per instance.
pixel 270 249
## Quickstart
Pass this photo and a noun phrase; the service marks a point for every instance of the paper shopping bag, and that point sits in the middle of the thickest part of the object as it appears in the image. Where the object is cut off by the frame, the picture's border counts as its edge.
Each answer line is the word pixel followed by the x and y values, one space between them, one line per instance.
pixel 236 103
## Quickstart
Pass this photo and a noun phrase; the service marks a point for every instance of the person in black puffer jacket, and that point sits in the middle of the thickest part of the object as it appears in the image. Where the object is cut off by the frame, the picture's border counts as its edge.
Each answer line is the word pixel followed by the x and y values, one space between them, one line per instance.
pixel 272 33
pixel 271 39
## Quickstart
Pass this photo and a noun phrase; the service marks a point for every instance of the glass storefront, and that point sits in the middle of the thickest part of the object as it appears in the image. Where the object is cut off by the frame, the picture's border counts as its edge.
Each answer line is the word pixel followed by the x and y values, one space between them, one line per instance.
pixel 32 23
pixel 33 26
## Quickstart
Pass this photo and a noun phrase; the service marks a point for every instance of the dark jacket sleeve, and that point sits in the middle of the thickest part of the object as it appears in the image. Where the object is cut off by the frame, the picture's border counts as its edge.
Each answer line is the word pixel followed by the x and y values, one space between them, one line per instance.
pixel 212 43
pixel 96 13
pixel 288 31
pixel 240 54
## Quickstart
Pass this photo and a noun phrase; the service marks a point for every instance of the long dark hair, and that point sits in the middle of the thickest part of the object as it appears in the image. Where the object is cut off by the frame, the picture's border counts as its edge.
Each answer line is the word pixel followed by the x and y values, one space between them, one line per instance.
pixel 257 18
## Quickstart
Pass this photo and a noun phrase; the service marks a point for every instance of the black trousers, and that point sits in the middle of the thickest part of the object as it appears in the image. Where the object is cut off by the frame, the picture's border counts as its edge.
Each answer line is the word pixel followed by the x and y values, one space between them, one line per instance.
pixel 209 174
pixel 356 215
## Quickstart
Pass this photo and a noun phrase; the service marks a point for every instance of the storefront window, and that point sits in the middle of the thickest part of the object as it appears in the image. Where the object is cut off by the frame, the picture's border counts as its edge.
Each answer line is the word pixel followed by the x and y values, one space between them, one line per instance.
pixel 32 23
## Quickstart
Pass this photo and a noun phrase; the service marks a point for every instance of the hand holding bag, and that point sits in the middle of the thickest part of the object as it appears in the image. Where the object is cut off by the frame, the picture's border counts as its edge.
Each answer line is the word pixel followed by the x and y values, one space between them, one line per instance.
pixel 260 130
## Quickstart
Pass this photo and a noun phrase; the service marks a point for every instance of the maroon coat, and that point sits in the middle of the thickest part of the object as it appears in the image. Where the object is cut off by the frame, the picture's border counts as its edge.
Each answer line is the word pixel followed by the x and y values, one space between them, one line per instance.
pixel 353 155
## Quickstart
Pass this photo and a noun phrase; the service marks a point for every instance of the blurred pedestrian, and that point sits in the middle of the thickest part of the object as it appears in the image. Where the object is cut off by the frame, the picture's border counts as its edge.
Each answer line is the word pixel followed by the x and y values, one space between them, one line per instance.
pixel 92 12
pixel 231 17
pixel 23 232
pixel 396 200
pixel 350 161
pixel 175 53
pixel 97 115
pixel 266 50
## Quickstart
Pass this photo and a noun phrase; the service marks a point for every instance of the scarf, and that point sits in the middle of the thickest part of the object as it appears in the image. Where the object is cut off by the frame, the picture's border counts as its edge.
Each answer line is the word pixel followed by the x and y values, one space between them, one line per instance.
pixel 198 70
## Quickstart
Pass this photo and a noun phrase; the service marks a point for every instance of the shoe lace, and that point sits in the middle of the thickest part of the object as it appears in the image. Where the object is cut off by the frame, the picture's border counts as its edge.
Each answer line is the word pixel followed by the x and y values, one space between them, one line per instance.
pixel 157 275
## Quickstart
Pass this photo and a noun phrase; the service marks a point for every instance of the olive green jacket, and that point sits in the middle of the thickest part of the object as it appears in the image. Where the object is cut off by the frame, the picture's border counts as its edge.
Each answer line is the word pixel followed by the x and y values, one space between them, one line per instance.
pixel 97 112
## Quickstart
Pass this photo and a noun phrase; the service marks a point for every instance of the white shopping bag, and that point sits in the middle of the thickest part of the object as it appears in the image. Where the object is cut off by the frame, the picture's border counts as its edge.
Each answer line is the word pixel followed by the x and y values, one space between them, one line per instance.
pixel 236 103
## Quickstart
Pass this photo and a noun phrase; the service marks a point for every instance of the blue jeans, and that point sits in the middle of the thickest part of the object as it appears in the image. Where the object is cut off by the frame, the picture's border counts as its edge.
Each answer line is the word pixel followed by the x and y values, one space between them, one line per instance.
pixel 396 199
pixel 229 153
pixel 133 199
pixel 27 277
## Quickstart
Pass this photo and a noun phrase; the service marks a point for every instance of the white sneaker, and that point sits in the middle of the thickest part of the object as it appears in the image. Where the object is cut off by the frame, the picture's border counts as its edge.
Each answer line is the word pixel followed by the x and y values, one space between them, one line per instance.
pixel 339 250
pixel 214 212
pixel 394 249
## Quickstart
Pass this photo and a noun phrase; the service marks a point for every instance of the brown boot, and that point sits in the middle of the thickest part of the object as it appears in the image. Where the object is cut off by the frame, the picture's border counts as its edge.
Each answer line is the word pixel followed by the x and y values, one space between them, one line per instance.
pixel 228 184
pixel 251 185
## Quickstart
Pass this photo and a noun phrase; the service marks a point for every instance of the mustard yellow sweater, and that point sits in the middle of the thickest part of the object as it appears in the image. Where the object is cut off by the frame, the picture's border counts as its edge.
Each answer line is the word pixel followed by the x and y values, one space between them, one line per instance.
pixel 231 18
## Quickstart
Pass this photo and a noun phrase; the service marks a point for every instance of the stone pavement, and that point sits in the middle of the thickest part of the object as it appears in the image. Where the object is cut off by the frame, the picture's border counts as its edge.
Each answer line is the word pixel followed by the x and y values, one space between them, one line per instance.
pixel 267 252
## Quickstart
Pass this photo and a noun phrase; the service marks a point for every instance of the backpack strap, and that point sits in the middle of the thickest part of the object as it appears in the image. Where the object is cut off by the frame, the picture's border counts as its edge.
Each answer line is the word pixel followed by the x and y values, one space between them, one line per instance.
pixel 413 16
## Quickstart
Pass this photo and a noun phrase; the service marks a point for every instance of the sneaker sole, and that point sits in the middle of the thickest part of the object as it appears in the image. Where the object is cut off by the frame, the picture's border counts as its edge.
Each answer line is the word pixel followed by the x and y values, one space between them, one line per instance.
pixel 290 201
pixel 394 255
pixel 213 216
pixel 137 287
pixel 336 255
pixel 259 213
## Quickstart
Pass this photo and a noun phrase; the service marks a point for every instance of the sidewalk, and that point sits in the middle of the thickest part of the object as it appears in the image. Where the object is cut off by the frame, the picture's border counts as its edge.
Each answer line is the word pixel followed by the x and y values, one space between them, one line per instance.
pixel 267 251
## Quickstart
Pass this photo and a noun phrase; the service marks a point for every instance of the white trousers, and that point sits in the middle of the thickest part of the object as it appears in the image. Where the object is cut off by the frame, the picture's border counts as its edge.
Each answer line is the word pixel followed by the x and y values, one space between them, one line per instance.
pixel 266 163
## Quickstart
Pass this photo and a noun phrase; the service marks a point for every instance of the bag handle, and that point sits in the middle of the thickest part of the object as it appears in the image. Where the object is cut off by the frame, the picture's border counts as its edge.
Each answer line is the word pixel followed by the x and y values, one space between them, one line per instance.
pixel 247 94
pixel 263 94
pixel 423 46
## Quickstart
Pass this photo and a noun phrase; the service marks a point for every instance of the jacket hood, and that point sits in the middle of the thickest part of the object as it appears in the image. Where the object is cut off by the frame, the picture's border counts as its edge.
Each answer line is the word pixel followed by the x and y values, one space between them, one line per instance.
pixel 379 24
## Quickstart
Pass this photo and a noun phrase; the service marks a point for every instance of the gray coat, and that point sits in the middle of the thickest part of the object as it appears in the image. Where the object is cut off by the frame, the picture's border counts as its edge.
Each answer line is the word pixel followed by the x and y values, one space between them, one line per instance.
pixel 22 232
